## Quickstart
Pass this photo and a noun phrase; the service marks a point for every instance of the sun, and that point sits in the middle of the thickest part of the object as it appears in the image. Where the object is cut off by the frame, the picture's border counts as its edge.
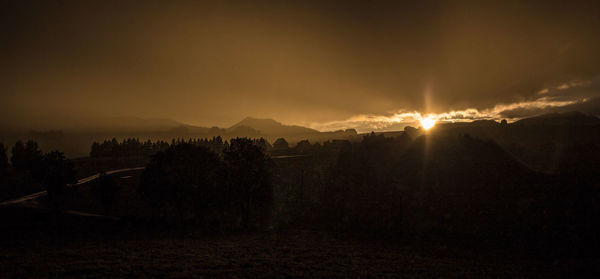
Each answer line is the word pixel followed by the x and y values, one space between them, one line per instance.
pixel 427 123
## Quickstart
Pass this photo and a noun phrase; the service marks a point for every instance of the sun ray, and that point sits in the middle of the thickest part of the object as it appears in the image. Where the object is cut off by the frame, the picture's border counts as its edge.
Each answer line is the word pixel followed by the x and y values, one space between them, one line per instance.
pixel 427 123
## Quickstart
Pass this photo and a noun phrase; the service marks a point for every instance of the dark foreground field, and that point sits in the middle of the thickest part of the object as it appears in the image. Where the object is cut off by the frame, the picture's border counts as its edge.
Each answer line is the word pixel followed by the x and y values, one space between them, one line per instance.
pixel 285 254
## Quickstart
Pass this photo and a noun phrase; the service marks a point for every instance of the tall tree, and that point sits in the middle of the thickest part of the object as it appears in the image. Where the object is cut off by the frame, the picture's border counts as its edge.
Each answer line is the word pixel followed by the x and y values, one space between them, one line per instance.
pixel 25 156
pixel 56 172
pixel 280 144
pixel 249 179
pixel 184 176
pixel 303 147
pixel 263 143
pixel 3 160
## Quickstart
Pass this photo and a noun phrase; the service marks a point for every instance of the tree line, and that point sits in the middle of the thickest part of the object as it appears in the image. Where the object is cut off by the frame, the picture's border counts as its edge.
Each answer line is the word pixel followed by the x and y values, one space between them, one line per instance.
pixel 196 184
pixel 208 181
pixel 133 147
pixel 437 184
pixel 29 168
pixel 450 184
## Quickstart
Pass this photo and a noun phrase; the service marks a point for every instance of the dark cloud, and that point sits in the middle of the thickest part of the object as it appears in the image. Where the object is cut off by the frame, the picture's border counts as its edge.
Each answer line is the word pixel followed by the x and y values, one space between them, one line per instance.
pixel 591 107
pixel 297 61
pixel 581 95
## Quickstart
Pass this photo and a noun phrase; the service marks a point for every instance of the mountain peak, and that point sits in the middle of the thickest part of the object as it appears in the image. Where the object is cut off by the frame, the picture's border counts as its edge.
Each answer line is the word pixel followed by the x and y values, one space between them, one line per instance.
pixel 250 121
pixel 268 126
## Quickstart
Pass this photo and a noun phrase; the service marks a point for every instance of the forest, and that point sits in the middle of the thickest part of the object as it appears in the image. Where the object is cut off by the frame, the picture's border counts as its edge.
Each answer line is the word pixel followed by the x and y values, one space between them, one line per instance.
pixel 462 185
pixel 443 183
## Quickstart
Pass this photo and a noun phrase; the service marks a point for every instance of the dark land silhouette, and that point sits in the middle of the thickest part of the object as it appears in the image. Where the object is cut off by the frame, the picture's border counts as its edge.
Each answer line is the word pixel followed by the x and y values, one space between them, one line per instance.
pixel 523 195
pixel 299 139
pixel 75 140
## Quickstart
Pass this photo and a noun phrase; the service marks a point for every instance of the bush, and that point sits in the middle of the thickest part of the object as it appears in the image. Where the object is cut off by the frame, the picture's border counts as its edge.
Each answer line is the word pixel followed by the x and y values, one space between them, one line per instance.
pixel 185 177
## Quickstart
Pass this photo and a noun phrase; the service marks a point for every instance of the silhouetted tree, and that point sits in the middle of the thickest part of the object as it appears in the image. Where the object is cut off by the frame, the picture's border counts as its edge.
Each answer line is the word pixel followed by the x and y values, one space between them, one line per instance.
pixel 216 144
pixel 105 191
pixel 128 147
pixel 249 179
pixel 95 151
pixel 3 161
pixel 25 156
pixel 280 144
pixel 186 177
pixel 364 192
pixel 264 144
pixel 303 147
pixel 56 172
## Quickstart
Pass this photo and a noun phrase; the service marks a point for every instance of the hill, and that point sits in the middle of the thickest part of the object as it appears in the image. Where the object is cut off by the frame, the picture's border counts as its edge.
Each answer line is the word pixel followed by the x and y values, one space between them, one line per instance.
pixel 573 118
pixel 555 142
pixel 271 127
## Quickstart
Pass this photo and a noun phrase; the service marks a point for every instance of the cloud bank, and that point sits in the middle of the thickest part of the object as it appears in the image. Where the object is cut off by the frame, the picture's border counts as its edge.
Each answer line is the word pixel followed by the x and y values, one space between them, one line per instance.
pixel 580 95
pixel 366 63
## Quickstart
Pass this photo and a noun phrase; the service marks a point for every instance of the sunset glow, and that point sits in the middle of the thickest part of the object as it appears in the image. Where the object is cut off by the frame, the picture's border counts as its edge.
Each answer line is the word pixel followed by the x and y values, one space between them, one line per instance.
pixel 299 138
pixel 427 123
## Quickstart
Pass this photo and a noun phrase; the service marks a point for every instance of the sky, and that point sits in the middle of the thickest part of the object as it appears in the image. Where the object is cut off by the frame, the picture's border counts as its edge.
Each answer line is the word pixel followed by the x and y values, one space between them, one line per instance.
pixel 323 64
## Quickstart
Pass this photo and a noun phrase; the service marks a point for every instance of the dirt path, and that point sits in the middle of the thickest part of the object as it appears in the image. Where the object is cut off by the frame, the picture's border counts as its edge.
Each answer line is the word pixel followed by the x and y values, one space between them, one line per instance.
pixel 79 182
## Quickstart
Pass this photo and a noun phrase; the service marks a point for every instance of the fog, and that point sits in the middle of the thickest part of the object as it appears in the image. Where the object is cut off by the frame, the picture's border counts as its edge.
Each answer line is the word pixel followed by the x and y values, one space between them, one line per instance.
pixel 306 63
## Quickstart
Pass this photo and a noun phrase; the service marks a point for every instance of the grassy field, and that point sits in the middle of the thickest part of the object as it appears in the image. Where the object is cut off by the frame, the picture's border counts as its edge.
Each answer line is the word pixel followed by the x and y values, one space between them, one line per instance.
pixel 52 243
pixel 279 255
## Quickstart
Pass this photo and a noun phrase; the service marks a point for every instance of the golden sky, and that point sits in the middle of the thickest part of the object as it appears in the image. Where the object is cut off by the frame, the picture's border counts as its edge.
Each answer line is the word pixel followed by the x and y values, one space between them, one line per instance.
pixel 324 64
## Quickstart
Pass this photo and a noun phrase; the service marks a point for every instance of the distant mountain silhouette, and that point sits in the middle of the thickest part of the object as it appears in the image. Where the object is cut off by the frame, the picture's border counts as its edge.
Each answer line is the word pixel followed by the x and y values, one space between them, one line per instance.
pixel 272 127
pixel 476 123
pixel 573 118
pixel 243 131
pixel 552 143
pixel 541 142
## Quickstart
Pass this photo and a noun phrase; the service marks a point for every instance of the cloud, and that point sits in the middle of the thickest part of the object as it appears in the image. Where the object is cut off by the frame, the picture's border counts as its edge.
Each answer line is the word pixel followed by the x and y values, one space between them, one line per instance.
pixel 591 106
pixel 569 96
pixel 216 62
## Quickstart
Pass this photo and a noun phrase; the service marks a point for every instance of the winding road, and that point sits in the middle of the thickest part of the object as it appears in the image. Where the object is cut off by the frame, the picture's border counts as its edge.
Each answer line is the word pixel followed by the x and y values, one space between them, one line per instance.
pixel 79 182
pixel 95 176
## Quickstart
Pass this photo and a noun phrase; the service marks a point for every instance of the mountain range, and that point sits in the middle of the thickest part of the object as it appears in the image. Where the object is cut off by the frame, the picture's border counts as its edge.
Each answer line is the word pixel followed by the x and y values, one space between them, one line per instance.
pixel 75 139
pixel 572 118
pixel 271 127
